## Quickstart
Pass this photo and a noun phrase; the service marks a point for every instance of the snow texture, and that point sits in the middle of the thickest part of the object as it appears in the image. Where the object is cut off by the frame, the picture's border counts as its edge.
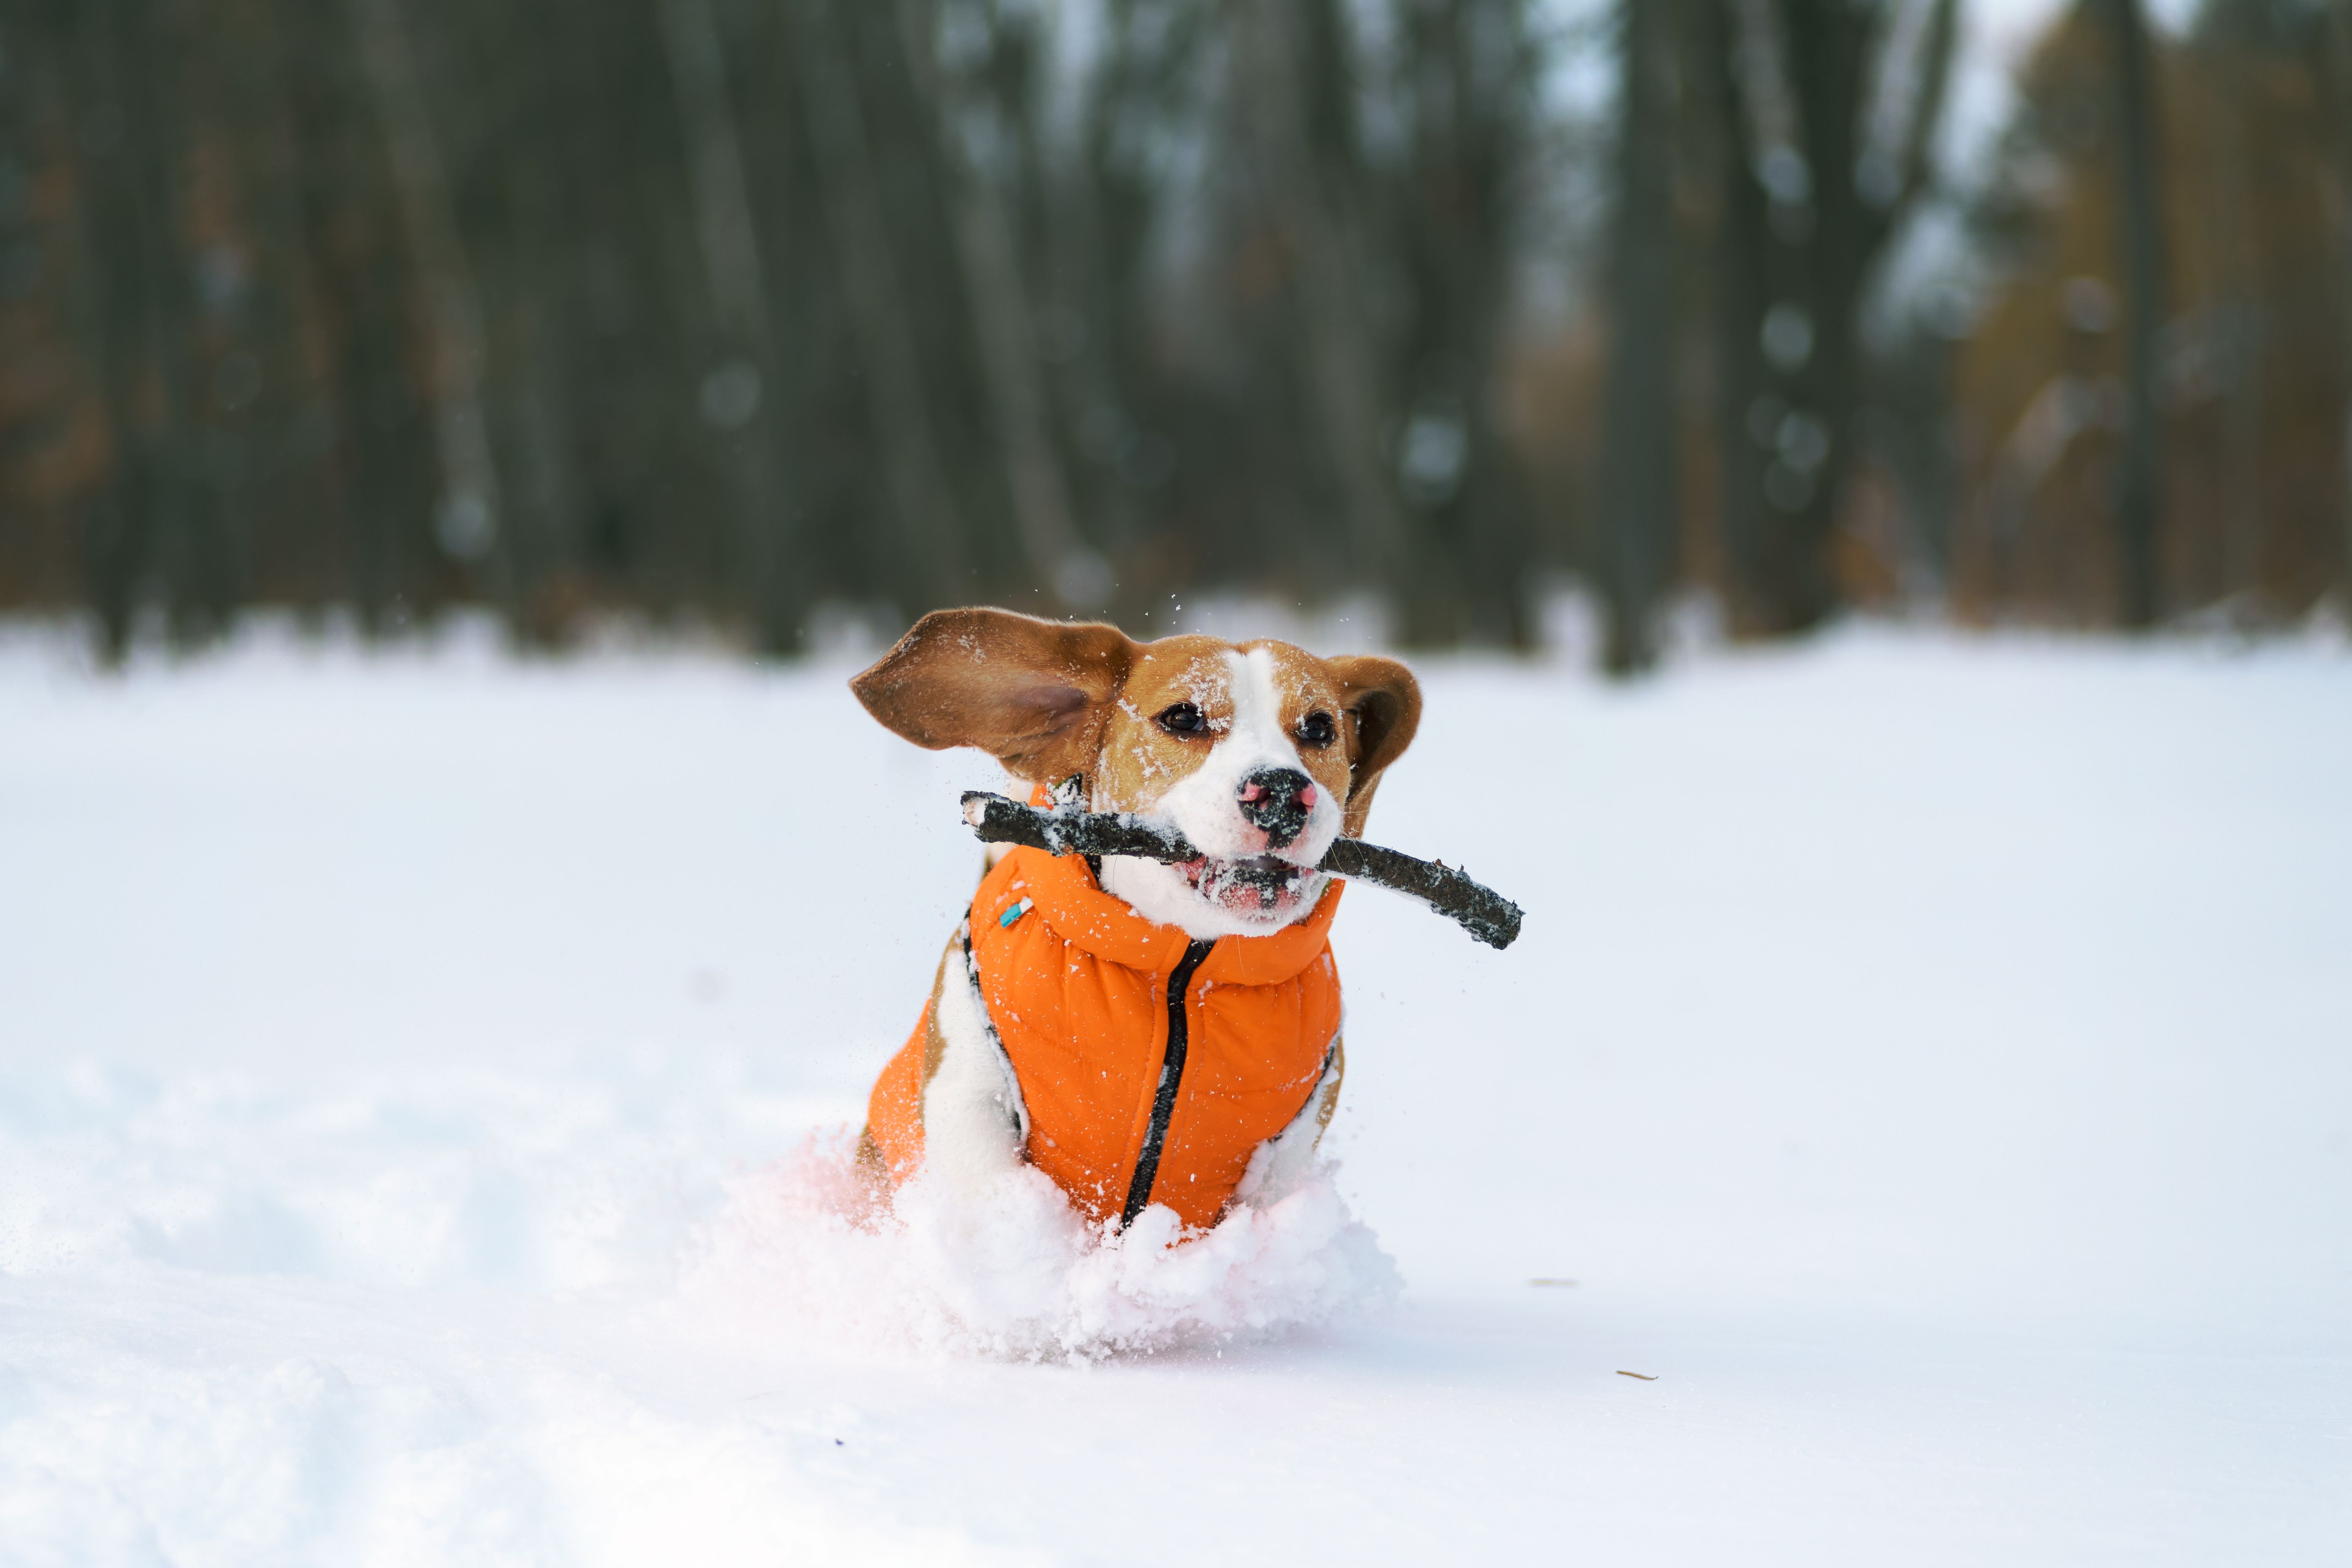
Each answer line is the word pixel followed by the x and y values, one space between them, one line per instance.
pixel 1012 1272
pixel 425 1078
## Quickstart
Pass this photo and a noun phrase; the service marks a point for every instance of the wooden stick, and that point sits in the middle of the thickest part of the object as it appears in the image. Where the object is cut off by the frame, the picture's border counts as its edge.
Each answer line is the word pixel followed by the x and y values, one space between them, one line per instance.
pixel 1481 911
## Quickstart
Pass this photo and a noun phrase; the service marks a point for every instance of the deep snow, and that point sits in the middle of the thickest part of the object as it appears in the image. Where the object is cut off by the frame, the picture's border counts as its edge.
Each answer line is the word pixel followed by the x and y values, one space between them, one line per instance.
pixel 1931 1057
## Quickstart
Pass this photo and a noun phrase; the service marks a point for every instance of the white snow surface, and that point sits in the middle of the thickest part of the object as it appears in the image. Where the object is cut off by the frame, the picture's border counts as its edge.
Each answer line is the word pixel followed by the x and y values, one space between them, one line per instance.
pixel 424 1074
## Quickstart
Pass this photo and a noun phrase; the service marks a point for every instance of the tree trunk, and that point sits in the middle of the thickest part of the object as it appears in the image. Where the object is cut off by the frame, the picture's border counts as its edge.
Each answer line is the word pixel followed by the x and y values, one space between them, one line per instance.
pixel 1638 511
pixel 1465 77
pixel 2139 490
pixel 1820 198
pixel 2339 79
pixel 2239 310
pixel 1828 48
pixel 381 461
pixel 137 535
pixel 892 377
pixel 467 518
pixel 1343 376
pixel 1003 320
pixel 1743 428
pixel 747 369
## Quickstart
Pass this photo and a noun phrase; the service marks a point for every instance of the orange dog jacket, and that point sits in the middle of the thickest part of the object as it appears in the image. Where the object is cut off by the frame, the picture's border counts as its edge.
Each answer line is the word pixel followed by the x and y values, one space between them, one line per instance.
pixel 1085 995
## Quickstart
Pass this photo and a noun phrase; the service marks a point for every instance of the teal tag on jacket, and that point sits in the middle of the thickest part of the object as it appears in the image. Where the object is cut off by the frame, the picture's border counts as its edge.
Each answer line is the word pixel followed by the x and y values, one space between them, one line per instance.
pixel 1014 913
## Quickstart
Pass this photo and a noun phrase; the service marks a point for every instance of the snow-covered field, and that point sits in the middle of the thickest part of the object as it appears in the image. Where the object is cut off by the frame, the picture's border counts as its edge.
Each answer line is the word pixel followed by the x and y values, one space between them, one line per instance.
pixel 1929 1058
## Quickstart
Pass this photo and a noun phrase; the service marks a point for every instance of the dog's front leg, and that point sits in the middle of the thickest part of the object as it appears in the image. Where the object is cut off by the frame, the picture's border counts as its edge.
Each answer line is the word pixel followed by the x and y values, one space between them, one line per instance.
pixel 974 1121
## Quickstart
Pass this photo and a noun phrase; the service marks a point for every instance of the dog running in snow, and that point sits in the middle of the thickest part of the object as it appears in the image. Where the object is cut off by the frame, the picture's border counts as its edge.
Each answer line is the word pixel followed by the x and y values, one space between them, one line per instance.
pixel 1140 1033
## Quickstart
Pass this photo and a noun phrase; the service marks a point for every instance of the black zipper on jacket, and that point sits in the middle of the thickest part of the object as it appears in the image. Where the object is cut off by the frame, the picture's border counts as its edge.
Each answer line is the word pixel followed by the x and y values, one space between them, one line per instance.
pixel 1172 1075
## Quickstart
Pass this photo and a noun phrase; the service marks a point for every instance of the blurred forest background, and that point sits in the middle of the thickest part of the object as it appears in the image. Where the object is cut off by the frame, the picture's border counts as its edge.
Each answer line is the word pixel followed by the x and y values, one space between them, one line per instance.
pixel 725 311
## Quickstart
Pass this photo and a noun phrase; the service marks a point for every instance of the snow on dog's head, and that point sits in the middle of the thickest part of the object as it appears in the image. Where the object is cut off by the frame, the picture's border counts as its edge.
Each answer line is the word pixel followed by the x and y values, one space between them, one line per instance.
pixel 1015 1272
pixel 1259 753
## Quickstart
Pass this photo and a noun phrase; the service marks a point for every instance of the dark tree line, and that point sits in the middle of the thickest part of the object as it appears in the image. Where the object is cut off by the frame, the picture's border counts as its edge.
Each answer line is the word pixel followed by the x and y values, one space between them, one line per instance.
pixel 735 308
pixel 740 306
pixel 2101 380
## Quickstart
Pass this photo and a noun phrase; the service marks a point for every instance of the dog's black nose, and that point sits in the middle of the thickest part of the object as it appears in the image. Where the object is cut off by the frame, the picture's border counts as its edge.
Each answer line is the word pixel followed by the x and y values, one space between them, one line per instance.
pixel 1276 799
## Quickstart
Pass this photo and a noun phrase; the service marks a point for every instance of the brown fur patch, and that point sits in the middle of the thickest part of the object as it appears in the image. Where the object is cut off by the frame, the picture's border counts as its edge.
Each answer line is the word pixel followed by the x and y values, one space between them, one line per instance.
pixel 935 1045
pixel 1332 1096
pixel 1029 692
pixel 1050 700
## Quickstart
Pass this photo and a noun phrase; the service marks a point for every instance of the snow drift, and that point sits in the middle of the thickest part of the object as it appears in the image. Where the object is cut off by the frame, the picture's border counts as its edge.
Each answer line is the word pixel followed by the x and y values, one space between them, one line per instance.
pixel 1019 1273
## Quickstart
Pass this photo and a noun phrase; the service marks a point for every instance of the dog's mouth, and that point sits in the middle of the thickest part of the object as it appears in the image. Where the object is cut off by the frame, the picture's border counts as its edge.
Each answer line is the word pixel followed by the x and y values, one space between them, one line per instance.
pixel 1256 887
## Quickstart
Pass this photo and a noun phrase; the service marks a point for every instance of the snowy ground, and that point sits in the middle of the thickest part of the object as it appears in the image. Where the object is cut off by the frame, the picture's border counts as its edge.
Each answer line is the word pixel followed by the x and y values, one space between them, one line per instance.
pixel 1930 1059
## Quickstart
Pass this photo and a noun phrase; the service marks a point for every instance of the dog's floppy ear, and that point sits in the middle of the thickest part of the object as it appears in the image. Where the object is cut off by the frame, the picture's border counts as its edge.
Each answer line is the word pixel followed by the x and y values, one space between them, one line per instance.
pixel 1032 694
pixel 1383 704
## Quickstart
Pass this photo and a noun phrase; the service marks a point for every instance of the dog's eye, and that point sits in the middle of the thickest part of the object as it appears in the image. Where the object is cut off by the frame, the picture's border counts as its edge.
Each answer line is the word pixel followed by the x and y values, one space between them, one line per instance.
pixel 1183 719
pixel 1316 730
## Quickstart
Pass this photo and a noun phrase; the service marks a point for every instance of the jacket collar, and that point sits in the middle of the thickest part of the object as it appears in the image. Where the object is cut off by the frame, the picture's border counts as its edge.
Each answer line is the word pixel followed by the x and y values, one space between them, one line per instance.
pixel 1066 893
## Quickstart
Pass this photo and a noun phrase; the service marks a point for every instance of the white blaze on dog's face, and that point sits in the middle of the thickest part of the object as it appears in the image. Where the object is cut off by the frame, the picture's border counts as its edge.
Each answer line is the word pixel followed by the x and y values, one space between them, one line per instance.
pixel 1240 749
pixel 1260 753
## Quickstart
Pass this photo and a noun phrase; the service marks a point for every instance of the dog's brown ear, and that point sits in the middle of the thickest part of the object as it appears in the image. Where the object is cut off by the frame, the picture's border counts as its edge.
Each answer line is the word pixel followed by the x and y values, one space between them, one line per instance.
pixel 1032 694
pixel 1383 704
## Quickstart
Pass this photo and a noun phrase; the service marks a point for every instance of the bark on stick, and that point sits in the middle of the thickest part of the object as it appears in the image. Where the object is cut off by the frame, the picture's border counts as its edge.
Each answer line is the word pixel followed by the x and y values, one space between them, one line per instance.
pixel 1479 910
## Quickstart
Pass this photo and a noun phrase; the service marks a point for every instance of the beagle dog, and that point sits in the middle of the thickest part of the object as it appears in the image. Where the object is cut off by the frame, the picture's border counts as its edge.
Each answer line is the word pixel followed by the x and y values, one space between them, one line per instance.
pixel 1144 1033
